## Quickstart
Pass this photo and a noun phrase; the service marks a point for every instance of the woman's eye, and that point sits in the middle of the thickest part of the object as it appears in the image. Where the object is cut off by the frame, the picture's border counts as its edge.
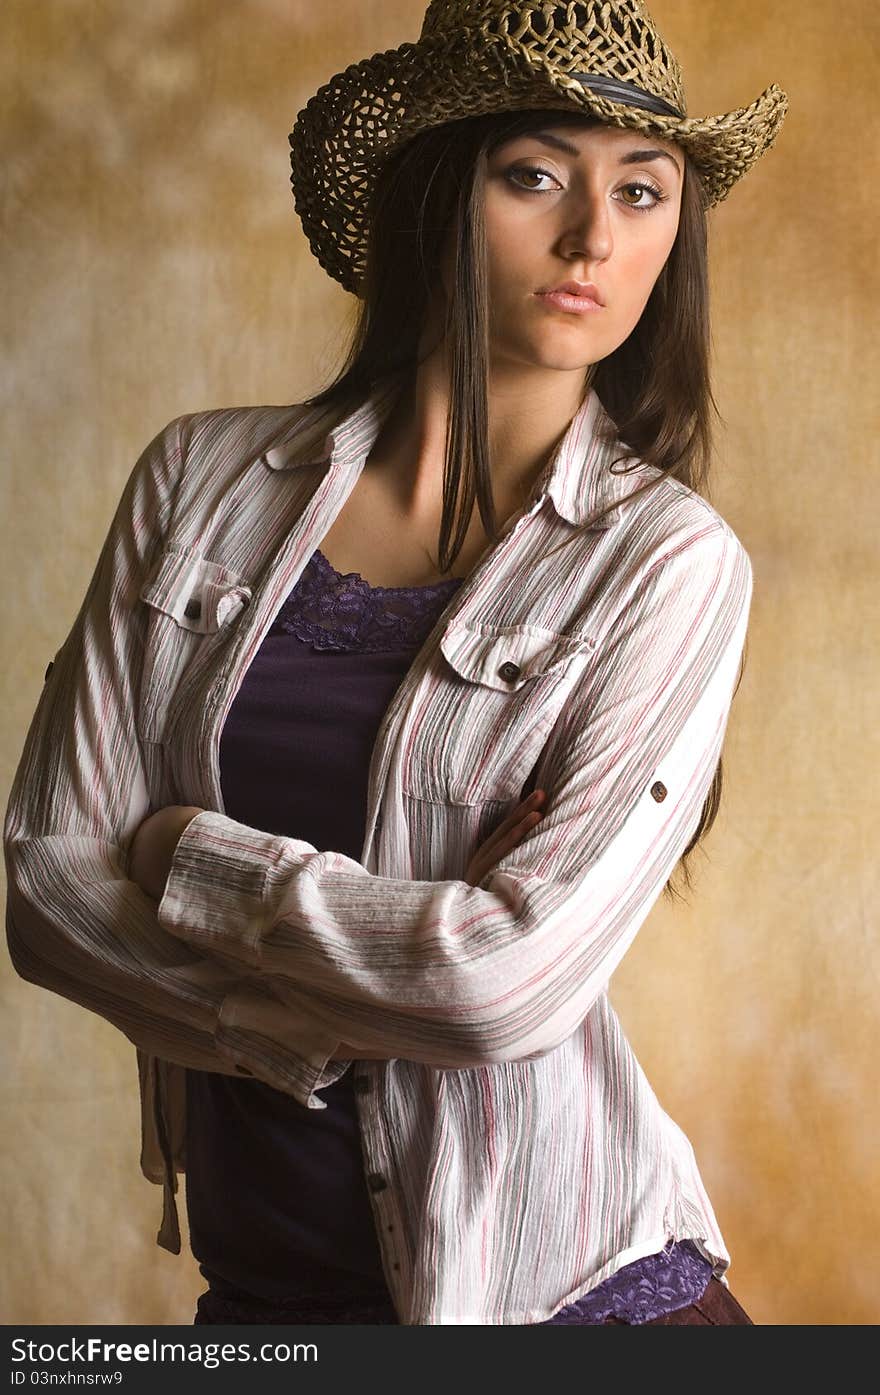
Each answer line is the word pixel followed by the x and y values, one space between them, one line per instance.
pixel 528 169
pixel 644 187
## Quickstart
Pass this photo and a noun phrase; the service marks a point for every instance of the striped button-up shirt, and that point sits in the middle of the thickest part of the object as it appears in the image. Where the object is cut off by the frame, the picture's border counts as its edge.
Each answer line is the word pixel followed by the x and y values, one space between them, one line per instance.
pixel 515 1153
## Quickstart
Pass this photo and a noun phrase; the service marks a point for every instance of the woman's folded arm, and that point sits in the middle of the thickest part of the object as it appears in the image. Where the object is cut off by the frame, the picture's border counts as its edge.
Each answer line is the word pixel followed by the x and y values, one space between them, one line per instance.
pixel 459 975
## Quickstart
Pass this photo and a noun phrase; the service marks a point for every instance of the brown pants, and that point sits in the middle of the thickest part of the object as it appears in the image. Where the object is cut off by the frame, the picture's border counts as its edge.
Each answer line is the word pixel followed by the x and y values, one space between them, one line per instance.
pixel 716 1308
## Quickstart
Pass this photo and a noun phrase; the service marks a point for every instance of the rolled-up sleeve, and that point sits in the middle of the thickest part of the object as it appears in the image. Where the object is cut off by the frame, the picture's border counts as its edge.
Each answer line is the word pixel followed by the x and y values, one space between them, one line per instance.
pixel 76 924
pixel 458 975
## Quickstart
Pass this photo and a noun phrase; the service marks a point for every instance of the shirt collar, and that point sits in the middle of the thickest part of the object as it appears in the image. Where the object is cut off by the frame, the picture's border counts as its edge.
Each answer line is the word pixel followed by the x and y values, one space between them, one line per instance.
pixel 577 477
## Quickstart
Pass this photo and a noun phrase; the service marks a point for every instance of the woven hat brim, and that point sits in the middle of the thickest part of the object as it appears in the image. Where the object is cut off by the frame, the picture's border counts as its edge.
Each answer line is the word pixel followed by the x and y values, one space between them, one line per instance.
pixel 362 115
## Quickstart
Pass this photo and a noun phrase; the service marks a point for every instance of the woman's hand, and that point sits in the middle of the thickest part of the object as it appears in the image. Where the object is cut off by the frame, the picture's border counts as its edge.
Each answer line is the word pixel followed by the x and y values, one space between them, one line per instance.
pixel 518 823
pixel 153 845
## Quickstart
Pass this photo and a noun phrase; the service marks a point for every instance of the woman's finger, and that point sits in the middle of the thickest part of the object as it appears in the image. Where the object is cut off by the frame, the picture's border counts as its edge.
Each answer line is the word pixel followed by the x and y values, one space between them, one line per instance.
pixel 511 827
pixel 495 848
pixel 514 818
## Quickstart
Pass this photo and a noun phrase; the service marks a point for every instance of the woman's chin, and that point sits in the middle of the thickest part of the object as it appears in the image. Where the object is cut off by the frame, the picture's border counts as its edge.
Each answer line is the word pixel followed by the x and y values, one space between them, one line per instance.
pixel 539 353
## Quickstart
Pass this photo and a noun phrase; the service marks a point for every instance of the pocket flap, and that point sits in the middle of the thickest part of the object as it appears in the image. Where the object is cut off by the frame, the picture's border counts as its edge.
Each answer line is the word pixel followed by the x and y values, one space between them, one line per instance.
pixel 199 594
pixel 506 657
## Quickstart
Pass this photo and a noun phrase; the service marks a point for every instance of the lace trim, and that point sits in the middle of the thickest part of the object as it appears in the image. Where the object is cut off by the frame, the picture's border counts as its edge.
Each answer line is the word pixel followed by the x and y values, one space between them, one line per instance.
pixel 341 611
pixel 674 1278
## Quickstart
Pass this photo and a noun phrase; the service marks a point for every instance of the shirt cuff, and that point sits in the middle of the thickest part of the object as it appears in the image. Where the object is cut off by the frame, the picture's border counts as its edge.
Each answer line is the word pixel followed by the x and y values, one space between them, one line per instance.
pixel 286 1048
pixel 215 897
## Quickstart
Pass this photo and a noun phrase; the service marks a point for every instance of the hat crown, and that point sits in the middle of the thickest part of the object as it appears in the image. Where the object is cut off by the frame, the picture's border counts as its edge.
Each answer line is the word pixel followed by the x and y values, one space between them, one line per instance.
pixel 614 40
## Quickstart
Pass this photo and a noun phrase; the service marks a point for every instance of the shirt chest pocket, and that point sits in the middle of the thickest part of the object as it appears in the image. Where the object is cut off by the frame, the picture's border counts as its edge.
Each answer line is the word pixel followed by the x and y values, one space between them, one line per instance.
pixel 192 604
pixel 487 709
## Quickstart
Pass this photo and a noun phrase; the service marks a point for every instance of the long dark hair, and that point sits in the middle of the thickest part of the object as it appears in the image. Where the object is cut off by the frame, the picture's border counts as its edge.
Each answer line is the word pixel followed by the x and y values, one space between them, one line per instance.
pixel 655 386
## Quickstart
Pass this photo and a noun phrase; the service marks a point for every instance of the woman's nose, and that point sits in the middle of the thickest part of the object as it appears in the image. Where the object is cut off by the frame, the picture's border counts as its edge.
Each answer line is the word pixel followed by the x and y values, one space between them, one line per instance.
pixel 587 233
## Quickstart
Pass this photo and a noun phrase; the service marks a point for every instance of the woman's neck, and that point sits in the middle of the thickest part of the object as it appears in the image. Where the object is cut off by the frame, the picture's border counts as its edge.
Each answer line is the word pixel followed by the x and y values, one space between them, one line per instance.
pixel 529 410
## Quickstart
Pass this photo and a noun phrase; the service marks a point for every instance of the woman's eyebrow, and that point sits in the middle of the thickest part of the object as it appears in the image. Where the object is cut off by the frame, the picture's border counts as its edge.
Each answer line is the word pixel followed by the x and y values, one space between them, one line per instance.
pixel 632 157
pixel 636 157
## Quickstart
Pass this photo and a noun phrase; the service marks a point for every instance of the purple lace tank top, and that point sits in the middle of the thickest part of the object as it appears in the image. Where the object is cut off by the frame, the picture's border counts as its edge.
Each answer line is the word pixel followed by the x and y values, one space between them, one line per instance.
pixel 276 1196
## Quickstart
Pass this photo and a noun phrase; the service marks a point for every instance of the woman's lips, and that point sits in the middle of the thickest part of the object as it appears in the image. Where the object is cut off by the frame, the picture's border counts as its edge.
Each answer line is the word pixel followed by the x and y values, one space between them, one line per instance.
pixel 575 304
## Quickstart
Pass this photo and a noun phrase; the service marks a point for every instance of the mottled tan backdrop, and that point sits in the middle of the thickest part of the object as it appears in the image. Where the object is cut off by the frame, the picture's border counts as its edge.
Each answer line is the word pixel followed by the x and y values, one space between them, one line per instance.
pixel 153 265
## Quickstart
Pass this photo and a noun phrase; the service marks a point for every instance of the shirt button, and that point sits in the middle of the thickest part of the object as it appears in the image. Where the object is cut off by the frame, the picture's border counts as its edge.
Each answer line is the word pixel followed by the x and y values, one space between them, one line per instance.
pixel 361 1083
pixel 376 1182
pixel 193 608
pixel 658 790
pixel 508 671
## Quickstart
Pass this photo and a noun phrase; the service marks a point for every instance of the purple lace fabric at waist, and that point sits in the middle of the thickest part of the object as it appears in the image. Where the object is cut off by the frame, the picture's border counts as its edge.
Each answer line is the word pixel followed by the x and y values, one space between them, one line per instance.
pixel 675 1277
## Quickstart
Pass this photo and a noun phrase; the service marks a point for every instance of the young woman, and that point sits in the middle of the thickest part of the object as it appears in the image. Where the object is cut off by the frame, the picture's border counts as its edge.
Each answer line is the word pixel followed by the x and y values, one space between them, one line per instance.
pixel 387 716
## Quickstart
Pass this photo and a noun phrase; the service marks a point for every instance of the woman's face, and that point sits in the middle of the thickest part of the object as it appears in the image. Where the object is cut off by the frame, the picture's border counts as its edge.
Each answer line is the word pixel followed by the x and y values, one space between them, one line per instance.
pixel 604 210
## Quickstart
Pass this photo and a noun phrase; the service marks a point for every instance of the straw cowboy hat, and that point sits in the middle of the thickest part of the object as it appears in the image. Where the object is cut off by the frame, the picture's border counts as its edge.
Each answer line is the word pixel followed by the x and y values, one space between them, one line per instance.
pixel 477 56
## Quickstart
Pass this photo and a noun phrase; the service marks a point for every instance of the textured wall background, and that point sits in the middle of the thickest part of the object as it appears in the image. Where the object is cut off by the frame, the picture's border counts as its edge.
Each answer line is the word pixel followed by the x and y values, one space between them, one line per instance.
pixel 153 265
